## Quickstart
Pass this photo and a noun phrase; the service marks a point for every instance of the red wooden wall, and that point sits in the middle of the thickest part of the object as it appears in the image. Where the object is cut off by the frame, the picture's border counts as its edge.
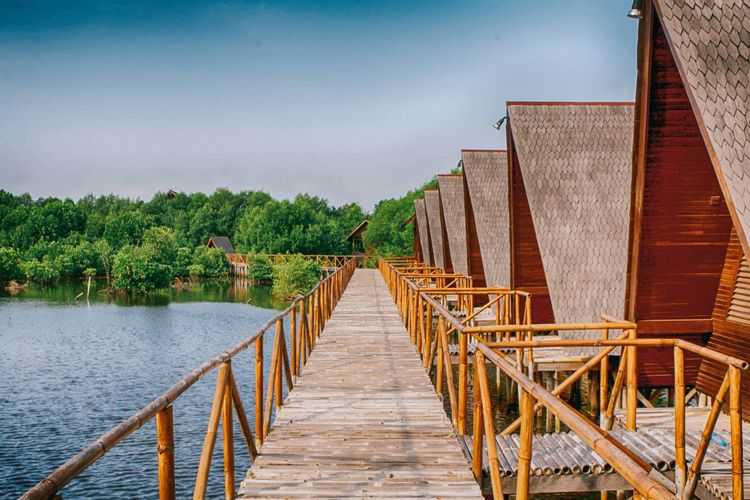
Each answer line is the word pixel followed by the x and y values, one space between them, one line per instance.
pixel 684 226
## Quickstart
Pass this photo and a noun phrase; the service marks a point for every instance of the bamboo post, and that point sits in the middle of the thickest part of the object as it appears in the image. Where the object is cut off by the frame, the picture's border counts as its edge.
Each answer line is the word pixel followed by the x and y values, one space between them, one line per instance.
pixel 525 446
pixel 228 438
pixel 448 370
pixel 632 387
pixel 204 467
pixel 463 383
pixel 302 337
pixel 680 475
pixel 735 422
pixel 272 383
pixel 477 448
pixel 428 339
pixel 293 340
pixel 260 435
pixel 603 381
pixel 489 428
pixel 165 451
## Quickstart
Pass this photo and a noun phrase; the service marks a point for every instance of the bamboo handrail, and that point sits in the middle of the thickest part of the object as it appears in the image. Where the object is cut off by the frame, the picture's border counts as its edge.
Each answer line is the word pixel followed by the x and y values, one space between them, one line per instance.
pixel 409 296
pixel 225 394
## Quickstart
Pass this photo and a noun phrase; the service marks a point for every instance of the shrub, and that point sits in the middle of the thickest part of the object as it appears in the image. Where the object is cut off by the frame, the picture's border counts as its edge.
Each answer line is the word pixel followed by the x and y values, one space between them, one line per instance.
pixel 196 270
pixel 295 276
pixel 260 269
pixel 213 260
pixel 45 270
pixel 135 272
pixel 182 261
pixel 10 265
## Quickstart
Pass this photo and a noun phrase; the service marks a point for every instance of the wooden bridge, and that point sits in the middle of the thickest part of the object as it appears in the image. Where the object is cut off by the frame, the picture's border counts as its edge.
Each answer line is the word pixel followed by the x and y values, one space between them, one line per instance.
pixel 364 420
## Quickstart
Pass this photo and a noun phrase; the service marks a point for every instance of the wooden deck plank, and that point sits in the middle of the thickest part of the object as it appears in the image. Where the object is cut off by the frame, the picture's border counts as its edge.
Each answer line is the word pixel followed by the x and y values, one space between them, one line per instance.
pixel 364 419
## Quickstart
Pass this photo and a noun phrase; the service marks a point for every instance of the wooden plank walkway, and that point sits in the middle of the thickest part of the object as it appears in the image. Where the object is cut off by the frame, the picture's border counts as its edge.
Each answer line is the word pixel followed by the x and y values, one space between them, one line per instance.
pixel 364 419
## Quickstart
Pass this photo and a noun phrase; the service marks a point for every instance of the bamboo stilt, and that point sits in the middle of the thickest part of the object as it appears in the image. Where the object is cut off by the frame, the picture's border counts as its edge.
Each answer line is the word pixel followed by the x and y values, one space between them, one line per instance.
pixel 204 467
pixel 227 435
pixel 165 450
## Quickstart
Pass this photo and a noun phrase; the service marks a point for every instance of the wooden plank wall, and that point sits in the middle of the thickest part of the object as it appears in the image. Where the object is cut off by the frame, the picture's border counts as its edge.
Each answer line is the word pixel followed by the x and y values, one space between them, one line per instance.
pixel 685 222
pixel 729 337
pixel 417 242
pixel 527 268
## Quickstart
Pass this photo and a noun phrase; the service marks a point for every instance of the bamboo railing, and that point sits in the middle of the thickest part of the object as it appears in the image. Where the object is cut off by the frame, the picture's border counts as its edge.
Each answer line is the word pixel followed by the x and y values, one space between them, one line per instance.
pixel 518 338
pixel 307 316
pixel 324 261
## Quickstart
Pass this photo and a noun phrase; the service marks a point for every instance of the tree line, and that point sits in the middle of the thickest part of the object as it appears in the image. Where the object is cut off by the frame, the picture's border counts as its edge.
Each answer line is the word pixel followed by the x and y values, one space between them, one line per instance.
pixel 140 244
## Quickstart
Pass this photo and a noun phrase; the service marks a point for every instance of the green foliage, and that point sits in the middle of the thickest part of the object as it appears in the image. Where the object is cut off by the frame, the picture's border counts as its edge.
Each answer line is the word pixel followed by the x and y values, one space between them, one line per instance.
pixel 212 261
pixel 196 270
pixel 89 271
pixel 260 269
pixel 45 270
pixel 10 265
pixel 295 276
pixel 182 261
pixel 126 228
pixel 386 232
pixel 135 272
pixel 307 225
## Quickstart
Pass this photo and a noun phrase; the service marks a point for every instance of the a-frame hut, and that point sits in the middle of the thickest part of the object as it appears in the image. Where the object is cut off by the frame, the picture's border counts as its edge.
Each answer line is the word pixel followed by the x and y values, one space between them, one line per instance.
pixel 440 252
pixel 423 231
pixel 451 188
pixel 486 205
pixel 569 167
pixel 417 245
pixel 688 276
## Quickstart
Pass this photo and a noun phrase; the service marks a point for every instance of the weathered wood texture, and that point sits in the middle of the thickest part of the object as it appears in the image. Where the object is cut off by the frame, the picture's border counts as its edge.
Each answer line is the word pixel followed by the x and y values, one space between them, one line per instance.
pixel 474 255
pixel 363 419
pixel 684 221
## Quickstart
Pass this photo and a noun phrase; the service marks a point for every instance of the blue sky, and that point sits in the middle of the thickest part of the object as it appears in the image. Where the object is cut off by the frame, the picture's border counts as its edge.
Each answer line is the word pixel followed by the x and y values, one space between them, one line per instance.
pixel 353 101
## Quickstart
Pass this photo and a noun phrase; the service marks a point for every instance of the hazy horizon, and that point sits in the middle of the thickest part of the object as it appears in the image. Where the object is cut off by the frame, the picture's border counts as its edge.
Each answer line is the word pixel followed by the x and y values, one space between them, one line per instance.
pixel 349 101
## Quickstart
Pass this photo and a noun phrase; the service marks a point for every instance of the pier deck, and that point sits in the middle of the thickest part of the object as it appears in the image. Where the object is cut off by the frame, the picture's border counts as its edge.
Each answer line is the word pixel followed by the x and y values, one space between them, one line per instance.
pixel 364 419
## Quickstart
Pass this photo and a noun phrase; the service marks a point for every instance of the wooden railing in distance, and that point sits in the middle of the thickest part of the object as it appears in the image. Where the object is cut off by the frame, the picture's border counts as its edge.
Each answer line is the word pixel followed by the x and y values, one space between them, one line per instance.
pixel 307 316
pixel 324 261
pixel 534 397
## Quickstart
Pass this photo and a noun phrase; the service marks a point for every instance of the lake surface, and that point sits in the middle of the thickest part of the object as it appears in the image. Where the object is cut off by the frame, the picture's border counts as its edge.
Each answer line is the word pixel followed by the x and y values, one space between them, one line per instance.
pixel 70 370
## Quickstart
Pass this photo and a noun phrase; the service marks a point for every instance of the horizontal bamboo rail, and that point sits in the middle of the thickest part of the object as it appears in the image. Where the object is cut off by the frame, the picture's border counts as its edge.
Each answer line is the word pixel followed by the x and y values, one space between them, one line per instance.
pixel 417 305
pixel 314 308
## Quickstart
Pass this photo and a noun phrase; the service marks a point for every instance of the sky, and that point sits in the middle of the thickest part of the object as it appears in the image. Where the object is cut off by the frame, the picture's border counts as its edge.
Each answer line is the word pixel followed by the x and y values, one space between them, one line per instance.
pixel 354 101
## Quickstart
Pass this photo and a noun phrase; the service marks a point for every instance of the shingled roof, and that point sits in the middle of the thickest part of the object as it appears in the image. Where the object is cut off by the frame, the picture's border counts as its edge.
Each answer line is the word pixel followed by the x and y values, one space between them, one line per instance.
pixel 452 197
pixel 424 231
pixel 710 41
pixel 221 242
pixel 435 221
pixel 576 163
pixel 486 175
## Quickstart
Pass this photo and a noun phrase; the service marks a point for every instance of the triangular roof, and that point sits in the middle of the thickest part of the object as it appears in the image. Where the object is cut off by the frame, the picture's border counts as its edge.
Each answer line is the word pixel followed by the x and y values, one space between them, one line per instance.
pixel 575 159
pixel 454 212
pixel 710 42
pixel 435 221
pixel 409 220
pixel 424 232
pixel 357 231
pixel 221 242
pixel 486 175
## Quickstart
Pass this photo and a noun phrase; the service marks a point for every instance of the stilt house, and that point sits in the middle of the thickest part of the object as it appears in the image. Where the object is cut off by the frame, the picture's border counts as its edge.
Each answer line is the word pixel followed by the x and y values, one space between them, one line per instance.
pixel 569 168
pixel 688 273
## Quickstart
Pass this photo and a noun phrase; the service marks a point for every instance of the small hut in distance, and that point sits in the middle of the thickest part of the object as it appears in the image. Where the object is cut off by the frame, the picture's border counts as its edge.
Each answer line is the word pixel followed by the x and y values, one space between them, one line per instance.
pixel 221 242
pixel 355 237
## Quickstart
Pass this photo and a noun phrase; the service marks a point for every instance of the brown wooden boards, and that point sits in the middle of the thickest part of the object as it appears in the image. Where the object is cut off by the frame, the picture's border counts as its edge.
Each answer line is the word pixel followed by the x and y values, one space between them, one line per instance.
pixel 364 419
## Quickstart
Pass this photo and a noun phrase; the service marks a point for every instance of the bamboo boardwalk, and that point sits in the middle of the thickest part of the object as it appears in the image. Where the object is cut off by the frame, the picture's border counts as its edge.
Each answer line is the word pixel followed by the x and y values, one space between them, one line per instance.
pixel 364 419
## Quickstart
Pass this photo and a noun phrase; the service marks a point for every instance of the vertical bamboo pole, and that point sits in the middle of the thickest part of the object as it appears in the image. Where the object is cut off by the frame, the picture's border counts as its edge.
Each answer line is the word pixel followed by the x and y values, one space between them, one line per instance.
pixel 302 336
pixel 478 428
pixel 165 450
pixel 489 428
pixel 259 434
pixel 227 434
pixel 428 338
pixel 272 383
pixel 448 370
pixel 279 355
pixel 632 386
pixel 525 446
pixel 603 381
pixel 463 382
pixel 680 475
pixel 735 422
pixel 293 340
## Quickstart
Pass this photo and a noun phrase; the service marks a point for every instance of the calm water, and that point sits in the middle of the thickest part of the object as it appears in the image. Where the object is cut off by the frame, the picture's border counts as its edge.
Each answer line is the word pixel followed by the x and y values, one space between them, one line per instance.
pixel 71 370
